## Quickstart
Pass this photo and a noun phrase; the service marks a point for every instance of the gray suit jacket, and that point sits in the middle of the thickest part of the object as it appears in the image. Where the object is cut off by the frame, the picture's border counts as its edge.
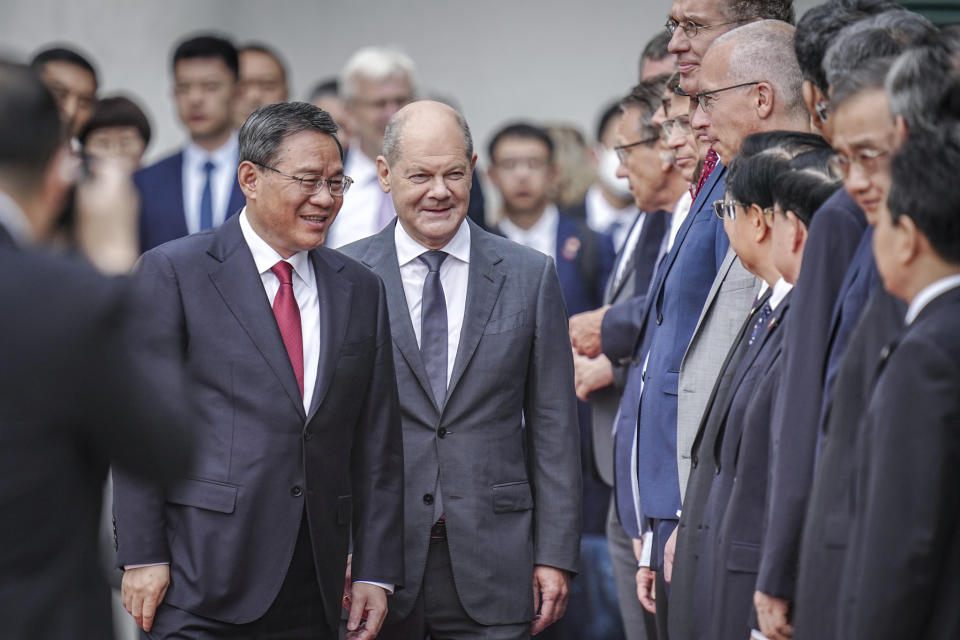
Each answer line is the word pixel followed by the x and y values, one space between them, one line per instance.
pixel 505 442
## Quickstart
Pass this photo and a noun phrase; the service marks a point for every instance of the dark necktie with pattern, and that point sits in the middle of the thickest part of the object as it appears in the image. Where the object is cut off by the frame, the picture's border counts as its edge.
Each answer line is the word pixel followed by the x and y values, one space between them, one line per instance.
pixel 206 198
pixel 433 325
pixel 762 316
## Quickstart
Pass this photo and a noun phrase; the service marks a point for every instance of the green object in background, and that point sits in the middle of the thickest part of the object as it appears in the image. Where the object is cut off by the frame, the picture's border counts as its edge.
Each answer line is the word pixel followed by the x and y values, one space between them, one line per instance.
pixel 940 12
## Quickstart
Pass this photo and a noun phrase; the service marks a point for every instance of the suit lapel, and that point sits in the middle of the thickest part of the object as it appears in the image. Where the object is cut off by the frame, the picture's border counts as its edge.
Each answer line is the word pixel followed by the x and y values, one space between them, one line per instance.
pixel 238 282
pixel 334 293
pixel 714 288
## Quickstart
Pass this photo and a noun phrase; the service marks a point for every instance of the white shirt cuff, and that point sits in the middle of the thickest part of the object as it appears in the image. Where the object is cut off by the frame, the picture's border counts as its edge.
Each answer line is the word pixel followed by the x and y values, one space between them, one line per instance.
pixel 756 635
pixel 149 564
pixel 383 585
pixel 647 549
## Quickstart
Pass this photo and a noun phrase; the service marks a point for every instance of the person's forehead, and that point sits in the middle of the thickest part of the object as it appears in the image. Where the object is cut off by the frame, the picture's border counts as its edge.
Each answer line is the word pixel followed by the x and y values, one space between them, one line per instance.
pixel 702 12
pixel 201 67
pixel 307 150
pixel 863 120
pixel 520 146
pixel 69 73
pixel 395 83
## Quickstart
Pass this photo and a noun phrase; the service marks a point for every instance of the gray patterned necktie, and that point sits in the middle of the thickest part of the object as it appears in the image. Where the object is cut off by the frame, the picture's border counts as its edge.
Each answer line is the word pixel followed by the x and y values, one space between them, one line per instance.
pixel 433 325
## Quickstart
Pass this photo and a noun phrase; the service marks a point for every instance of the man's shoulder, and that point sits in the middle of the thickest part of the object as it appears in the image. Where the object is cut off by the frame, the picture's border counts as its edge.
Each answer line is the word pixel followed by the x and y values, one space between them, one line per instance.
pixel 356 249
pixel 159 170
pixel 348 264
pixel 515 255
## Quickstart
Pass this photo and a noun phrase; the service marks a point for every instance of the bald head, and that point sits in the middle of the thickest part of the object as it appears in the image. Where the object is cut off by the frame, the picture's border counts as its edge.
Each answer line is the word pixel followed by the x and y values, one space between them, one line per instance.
pixel 425 120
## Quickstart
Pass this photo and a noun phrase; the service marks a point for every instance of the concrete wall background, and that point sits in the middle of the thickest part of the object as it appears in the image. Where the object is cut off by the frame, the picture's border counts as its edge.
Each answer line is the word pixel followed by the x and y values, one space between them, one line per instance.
pixel 557 60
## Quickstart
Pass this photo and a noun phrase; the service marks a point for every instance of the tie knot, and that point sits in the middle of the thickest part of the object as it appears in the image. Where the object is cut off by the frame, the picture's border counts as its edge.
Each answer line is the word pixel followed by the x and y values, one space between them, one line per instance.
pixel 208 167
pixel 284 272
pixel 433 259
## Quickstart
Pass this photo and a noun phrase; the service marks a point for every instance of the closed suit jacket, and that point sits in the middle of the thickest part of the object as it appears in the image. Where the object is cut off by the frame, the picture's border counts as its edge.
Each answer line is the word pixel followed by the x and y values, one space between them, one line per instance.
pixel 229 526
pixel 71 404
pixel 900 574
pixel 162 215
pixel 505 440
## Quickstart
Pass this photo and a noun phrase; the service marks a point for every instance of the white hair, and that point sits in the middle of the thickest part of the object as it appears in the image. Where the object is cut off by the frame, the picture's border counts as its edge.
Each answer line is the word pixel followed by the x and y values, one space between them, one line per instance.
pixel 375 63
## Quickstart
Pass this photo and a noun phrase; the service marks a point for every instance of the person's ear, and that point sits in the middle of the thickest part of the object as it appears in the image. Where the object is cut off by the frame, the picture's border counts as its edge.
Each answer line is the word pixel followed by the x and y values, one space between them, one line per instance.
pixel 383 173
pixel 248 177
pixel 910 241
pixel 764 101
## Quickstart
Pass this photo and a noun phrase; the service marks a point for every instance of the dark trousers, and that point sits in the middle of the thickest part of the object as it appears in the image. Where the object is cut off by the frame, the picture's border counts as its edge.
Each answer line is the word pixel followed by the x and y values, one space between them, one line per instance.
pixel 661 532
pixel 438 612
pixel 296 613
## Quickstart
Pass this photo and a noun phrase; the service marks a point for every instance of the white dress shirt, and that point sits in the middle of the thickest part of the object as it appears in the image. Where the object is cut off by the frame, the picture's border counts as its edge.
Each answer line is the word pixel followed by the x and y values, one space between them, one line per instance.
pixel 780 290
pixel 542 235
pixel 222 179
pixel 601 216
pixel 929 293
pixel 359 216
pixel 454 273
pixel 14 220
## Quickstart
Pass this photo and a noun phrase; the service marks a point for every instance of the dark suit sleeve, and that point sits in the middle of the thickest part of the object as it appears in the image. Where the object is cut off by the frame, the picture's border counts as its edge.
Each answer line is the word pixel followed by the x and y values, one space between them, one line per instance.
pixel 622 324
pixel 911 495
pixel 377 468
pixel 552 431
pixel 157 347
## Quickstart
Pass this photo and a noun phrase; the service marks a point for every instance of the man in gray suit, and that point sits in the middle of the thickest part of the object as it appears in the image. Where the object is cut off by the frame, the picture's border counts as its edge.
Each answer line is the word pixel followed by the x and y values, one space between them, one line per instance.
pixel 484 370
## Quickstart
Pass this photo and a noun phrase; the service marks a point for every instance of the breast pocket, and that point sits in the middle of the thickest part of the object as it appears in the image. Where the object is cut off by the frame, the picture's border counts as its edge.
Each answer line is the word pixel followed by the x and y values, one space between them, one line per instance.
pixel 506 323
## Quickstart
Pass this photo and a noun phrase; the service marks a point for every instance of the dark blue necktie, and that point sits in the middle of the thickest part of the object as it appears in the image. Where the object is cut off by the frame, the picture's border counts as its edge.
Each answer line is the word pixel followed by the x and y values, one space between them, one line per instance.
pixel 761 320
pixel 206 200
pixel 433 326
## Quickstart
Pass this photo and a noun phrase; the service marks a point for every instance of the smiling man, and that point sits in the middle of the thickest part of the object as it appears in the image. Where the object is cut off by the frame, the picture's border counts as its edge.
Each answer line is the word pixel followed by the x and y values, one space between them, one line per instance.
pixel 294 408
pixel 492 482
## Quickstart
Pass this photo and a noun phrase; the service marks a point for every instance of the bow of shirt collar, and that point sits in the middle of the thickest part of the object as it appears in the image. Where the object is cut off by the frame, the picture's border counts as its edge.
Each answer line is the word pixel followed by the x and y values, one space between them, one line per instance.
pixel 265 256
pixel 409 249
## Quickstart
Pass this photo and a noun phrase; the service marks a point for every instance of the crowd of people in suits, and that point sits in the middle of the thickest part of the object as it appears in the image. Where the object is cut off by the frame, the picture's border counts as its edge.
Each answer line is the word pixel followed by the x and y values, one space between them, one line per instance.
pixel 715 393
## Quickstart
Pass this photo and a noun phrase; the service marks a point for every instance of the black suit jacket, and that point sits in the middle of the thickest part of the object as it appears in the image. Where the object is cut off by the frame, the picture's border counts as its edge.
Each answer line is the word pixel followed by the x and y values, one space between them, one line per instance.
pixel 900 574
pixel 71 403
pixel 228 527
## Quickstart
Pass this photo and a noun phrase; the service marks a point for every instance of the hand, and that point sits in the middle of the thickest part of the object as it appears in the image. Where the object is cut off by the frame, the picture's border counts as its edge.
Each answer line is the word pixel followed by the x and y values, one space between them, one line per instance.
pixel 646 591
pixel 142 591
pixel 590 374
pixel 772 616
pixel 346 583
pixel 585 332
pixel 550 590
pixel 668 552
pixel 368 608
pixel 107 212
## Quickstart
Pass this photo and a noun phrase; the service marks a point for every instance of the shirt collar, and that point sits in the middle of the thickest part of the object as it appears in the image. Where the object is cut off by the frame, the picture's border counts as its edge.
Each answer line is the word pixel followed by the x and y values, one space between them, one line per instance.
pixel 545 225
pixel 14 220
pixel 224 156
pixel 929 293
pixel 780 290
pixel 409 249
pixel 359 167
pixel 265 256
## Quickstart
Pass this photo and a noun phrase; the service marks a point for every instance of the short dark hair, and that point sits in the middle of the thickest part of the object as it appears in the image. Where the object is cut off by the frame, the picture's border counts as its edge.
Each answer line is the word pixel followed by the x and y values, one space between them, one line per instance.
pixel 915 84
pixel 31 131
pixel 930 197
pixel 870 74
pixel 646 96
pixel 745 10
pixel 63 54
pixel 267 127
pixel 328 87
pixel 524 130
pixel 788 144
pixel 208 46
pixel 116 111
pixel 655 49
pixel 806 185
pixel 611 111
pixel 764 158
pixel 819 26
pixel 266 50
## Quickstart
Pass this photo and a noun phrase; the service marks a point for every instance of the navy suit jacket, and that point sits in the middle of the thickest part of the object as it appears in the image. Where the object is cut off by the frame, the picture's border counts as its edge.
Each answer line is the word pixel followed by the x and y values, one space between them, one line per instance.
pixel 162 215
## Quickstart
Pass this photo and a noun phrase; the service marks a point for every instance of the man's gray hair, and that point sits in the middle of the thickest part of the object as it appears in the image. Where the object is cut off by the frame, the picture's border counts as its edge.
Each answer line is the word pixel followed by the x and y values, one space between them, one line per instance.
pixel 763 51
pixel 377 64
pixel 267 127
pixel 393 136
pixel 870 74
pixel 919 80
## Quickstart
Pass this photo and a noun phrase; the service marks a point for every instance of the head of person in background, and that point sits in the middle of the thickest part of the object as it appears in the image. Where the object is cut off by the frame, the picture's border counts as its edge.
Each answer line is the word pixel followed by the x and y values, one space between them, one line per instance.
pixel 655 183
pixel 749 82
pixel 263 80
pixel 326 95
pixel 656 57
pixel 816 30
pixel 916 86
pixel 572 159
pixel 118 129
pixel 522 170
pixel 609 204
pixel 693 25
pixel 205 73
pixel 682 145
pixel 72 80
pixel 797 195
pixel 375 83
pixel 35 162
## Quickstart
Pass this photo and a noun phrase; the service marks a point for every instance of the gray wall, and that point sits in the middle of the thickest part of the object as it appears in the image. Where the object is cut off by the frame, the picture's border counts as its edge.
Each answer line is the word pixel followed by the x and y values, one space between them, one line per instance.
pixel 556 60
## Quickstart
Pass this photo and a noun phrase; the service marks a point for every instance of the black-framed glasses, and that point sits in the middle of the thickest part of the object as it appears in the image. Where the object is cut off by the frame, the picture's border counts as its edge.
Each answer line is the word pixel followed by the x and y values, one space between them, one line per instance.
pixel 311 184
pixel 679 124
pixel 691 28
pixel 726 208
pixel 624 148
pixel 706 98
pixel 869 160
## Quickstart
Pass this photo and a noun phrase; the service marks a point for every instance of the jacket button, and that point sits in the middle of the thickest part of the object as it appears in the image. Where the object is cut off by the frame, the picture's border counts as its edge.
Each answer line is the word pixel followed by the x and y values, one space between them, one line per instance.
pixel 659 318
pixel 442 432
pixel 428 498
pixel 296 491
pixel 307 435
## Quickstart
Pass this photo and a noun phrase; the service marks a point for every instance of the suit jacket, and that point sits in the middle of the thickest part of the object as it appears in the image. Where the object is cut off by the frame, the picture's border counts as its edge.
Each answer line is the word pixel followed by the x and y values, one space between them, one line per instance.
pixel 71 403
pixel 900 578
pixel 834 234
pixel 229 527
pixel 504 442
pixel 633 285
pixel 162 215
pixel 827 526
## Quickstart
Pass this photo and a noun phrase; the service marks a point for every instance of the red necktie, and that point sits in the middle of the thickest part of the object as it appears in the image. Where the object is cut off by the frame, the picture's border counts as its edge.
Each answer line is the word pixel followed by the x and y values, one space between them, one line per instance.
pixel 287 313
pixel 709 164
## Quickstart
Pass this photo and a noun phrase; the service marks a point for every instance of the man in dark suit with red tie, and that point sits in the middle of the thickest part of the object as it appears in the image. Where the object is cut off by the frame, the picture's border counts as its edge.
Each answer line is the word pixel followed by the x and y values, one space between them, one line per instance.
pixel 295 411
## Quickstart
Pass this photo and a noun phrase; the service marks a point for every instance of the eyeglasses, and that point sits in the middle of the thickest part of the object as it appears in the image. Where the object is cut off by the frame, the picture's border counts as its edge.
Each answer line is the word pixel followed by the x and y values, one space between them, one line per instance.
pixel 624 148
pixel 691 28
pixel 680 124
pixel 726 208
pixel 869 160
pixel 706 98
pixel 311 184
pixel 512 164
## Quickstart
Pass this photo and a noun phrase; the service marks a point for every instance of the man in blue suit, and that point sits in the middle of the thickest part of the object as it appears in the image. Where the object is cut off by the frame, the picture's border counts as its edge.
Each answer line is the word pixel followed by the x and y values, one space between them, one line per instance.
pixel 195 188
